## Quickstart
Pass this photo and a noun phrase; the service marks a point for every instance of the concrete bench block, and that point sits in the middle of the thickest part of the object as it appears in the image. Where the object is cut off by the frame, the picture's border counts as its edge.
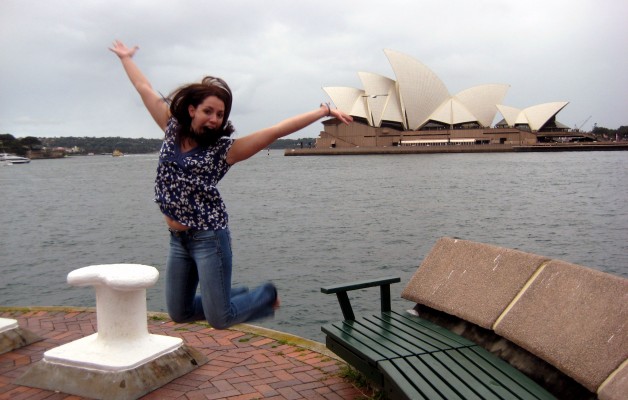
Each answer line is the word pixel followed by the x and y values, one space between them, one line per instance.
pixel 473 281
pixel 574 318
pixel 13 337
pixel 7 324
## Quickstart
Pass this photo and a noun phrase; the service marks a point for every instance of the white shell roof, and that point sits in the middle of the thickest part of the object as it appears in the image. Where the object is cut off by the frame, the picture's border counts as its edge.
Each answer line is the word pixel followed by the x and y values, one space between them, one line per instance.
pixel 421 91
pixel 451 112
pixel 481 100
pixel 510 114
pixel 535 116
pixel 418 96
pixel 349 100
pixel 538 115
pixel 382 98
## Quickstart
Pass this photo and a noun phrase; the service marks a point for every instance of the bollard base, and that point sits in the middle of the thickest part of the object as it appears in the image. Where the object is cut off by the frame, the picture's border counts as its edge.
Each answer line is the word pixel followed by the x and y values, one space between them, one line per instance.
pixel 107 384
pixel 13 337
pixel 93 352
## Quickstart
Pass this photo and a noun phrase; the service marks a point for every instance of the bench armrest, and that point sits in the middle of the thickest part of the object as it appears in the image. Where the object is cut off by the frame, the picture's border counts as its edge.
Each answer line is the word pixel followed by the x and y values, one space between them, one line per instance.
pixel 343 299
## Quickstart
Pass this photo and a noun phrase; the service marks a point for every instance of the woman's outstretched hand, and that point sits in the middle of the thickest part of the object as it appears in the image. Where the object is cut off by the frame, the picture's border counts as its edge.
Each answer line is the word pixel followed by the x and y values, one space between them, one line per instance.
pixel 336 113
pixel 121 50
pixel 345 118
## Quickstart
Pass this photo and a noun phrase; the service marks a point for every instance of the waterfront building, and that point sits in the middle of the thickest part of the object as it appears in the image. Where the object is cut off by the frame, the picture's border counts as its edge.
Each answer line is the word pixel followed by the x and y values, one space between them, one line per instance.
pixel 417 110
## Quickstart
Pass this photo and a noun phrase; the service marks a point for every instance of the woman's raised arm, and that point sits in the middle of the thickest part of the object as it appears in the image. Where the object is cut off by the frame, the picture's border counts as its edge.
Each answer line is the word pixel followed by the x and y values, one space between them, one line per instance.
pixel 154 103
pixel 247 146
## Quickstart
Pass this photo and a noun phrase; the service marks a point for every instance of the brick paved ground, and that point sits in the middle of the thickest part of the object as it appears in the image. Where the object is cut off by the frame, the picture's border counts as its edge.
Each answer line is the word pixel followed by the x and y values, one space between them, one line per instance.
pixel 241 365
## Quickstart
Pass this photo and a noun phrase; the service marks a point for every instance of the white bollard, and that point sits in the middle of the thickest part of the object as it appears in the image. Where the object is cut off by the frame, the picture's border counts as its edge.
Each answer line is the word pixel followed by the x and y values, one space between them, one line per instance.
pixel 120 298
pixel 7 324
pixel 122 360
pixel 122 341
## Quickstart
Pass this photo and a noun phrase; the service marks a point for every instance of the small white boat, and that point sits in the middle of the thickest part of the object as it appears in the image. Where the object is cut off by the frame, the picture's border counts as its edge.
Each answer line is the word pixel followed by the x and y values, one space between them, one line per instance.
pixel 7 158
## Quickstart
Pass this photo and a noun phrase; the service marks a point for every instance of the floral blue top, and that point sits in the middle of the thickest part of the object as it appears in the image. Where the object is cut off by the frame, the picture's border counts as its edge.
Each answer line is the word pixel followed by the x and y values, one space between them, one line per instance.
pixel 185 186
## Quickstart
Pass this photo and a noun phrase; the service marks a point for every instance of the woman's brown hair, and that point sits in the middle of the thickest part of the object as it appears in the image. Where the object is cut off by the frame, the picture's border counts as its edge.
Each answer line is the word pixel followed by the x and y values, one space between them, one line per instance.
pixel 194 94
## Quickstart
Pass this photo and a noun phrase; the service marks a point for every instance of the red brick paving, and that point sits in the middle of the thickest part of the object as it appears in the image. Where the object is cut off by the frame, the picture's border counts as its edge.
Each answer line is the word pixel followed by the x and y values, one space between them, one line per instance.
pixel 241 365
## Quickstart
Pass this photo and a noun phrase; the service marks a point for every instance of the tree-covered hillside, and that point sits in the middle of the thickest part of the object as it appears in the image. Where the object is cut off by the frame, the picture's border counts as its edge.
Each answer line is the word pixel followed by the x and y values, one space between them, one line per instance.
pixel 86 145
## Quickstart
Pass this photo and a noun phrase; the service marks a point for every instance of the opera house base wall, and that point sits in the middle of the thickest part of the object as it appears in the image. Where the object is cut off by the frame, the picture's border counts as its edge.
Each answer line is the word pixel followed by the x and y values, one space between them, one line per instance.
pixel 496 148
pixel 337 135
pixel 398 150
pixel 358 138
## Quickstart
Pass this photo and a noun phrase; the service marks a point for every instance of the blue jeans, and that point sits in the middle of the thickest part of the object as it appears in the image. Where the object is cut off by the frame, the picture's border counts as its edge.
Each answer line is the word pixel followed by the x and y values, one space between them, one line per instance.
pixel 202 259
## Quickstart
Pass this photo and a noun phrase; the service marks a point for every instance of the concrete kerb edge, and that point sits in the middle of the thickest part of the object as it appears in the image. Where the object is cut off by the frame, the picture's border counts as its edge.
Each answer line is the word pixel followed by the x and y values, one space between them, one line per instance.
pixel 282 337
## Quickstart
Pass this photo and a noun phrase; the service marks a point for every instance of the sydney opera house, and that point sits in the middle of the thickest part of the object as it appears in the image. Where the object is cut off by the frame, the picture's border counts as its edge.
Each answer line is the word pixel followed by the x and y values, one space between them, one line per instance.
pixel 417 112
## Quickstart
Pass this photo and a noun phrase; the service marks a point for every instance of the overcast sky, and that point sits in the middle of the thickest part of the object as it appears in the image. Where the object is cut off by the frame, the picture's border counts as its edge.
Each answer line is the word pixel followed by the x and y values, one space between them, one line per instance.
pixel 57 77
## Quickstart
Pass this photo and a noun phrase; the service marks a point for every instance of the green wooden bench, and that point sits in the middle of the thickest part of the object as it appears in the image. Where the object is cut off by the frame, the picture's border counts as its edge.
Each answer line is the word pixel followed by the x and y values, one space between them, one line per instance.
pixel 412 358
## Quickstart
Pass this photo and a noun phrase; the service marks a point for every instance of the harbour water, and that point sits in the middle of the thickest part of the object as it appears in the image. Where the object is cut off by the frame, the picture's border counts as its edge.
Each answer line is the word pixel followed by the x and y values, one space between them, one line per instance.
pixel 306 222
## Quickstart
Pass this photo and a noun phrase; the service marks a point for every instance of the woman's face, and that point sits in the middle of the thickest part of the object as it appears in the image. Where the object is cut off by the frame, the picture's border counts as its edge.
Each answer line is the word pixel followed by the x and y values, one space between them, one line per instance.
pixel 209 114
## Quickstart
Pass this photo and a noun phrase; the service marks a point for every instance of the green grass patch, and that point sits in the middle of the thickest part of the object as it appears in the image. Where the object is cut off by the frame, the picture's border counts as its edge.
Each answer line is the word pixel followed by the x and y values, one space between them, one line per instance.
pixel 354 376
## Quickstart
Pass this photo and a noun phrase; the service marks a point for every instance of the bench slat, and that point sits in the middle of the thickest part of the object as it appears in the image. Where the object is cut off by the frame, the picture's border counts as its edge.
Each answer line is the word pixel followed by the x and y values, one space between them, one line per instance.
pixel 424 329
pixel 450 375
pixel 411 343
pixel 406 317
pixel 393 336
pixel 485 385
pixel 443 370
pixel 411 380
pixel 351 334
pixel 469 362
pixel 505 372
pixel 399 386
pixel 363 364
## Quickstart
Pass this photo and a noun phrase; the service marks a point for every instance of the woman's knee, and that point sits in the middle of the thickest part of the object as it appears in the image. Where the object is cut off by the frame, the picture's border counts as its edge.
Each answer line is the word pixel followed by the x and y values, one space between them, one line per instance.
pixel 179 313
pixel 179 318
pixel 218 322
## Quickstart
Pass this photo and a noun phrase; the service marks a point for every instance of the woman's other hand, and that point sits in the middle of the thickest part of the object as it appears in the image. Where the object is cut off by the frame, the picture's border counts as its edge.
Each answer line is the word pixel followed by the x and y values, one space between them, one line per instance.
pixel 122 51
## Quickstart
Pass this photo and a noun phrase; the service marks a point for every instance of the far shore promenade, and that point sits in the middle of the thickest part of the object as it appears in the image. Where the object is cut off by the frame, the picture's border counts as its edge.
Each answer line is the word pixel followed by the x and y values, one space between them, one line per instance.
pixel 452 149
pixel 245 361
